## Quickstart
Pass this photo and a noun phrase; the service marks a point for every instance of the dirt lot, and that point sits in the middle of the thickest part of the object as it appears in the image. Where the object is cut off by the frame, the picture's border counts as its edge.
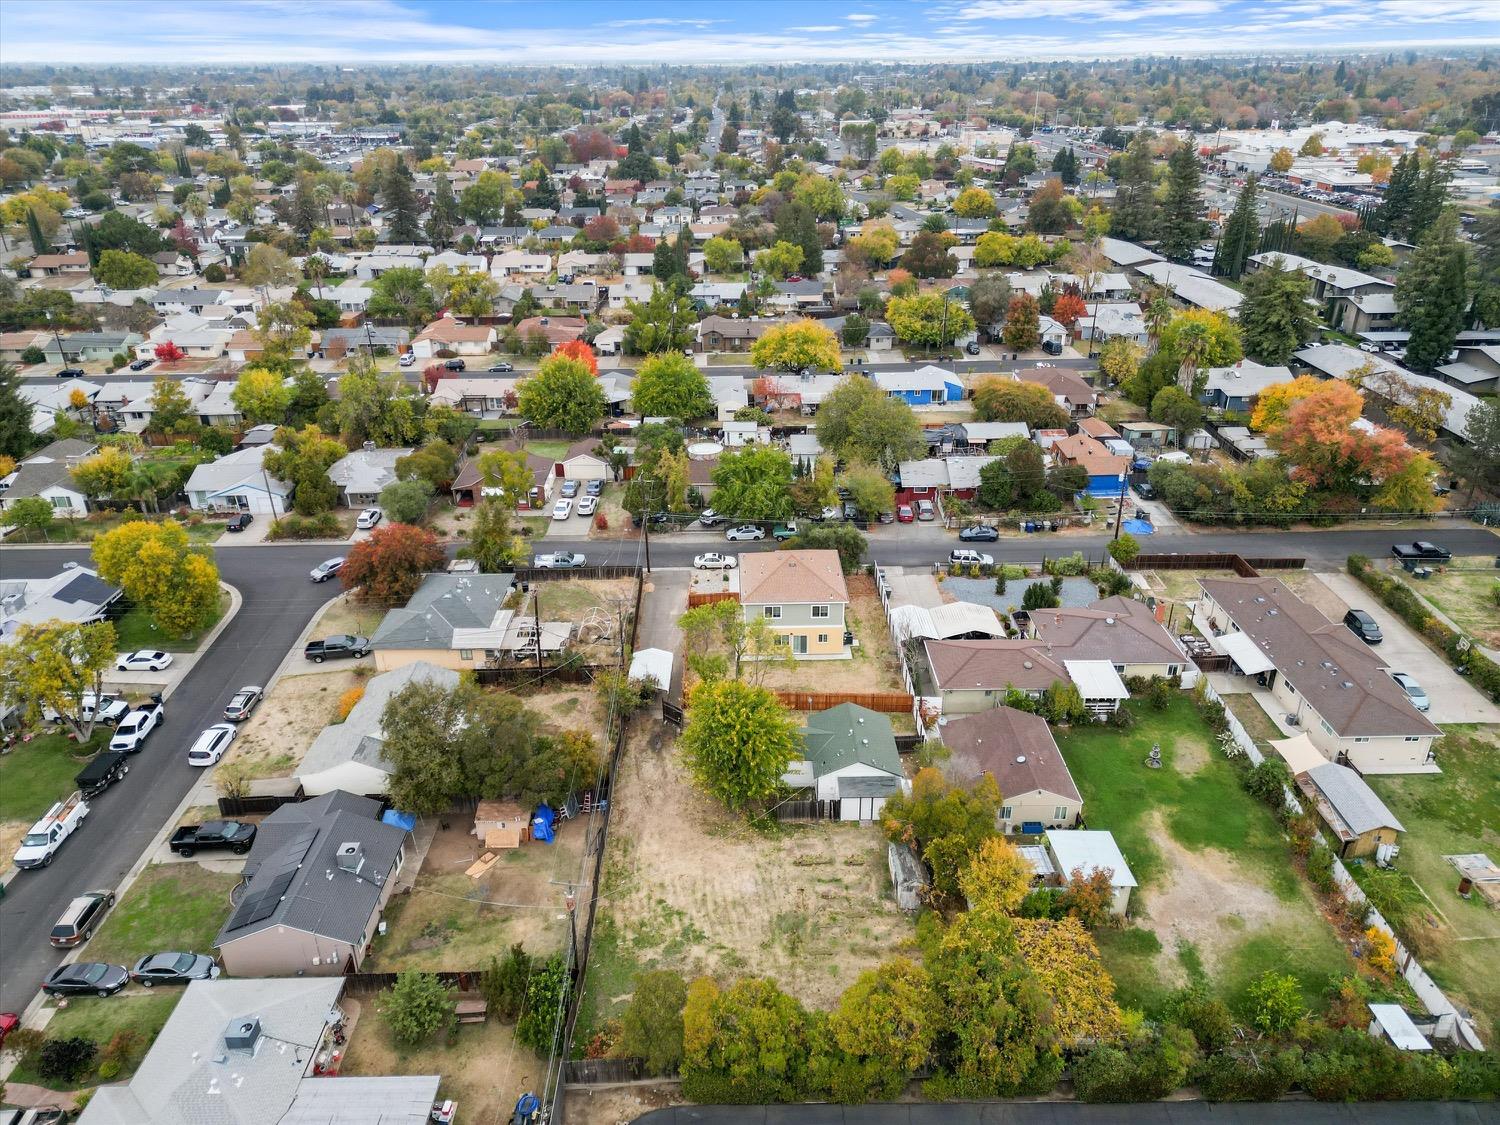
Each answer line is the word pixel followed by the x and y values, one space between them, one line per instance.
pixel 273 740
pixel 450 921
pixel 567 707
pixel 345 615
pixel 590 1105
pixel 806 905
pixel 485 1071
pixel 873 667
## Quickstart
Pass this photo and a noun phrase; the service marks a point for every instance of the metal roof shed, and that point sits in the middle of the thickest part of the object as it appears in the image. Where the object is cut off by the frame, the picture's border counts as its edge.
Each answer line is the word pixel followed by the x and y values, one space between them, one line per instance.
pixel 1391 1022
pixel 1096 679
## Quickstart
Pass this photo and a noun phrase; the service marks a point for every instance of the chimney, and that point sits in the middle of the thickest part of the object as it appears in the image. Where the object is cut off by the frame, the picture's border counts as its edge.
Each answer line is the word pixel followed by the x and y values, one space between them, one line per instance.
pixel 350 857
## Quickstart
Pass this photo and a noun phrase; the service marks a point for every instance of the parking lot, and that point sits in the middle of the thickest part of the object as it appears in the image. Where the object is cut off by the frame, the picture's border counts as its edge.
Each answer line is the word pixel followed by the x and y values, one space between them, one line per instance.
pixel 1454 699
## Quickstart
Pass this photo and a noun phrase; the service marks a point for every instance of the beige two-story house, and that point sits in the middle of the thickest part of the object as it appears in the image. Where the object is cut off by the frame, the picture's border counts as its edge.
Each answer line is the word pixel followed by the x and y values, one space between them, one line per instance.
pixel 801 595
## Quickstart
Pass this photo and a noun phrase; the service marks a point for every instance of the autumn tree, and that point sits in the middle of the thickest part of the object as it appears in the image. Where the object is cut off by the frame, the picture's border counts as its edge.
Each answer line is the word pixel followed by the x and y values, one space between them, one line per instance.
pixel 493 541
pixel 1119 359
pixel 171 412
pixel 1281 161
pixel 930 319
pixel 723 255
pixel 874 246
pixel 738 741
pixel 859 422
pixel 883 1029
pixel 999 398
pixel 1051 210
pixel 563 394
pixel 779 260
pixel 799 346
pixel 997 878
pixel 1274 403
pixel 157 568
pixel 974 203
pixel 508 471
pixel 107 473
pixel 580 350
pixel 1421 409
pixel 670 385
pixel 53 666
pixel 1088 897
pixel 389 565
pixel 262 396
pixel 1069 310
pixel 722 641
pixel 1022 331
pixel 1065 960
pixel 748 1044
pixel 946 823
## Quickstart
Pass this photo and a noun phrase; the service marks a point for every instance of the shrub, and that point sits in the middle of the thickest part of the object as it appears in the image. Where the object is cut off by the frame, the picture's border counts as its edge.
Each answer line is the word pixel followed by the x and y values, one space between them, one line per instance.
pixel 123 1045
pixel 348 700
pixel 33 354
pixel 546 991
pixel 1380 952
pixel 1069 566
pixel 504 982
pixel 1267 783
pixel 417 1006
pixel 1205 1016
pixel 1146 1071
pixel 1250 1072
pixel 651 1028
pixel 1160 692
pixel 63 1060
pixel 324 525
pixel 1125 549
pixel 109 1069
pixel 1276 1002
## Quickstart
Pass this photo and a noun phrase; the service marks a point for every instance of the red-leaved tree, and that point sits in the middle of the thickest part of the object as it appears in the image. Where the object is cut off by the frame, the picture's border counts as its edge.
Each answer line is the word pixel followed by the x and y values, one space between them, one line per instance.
pixel 638 244
pixel 591 145
pixel 183 239
pixel 432 373
pixel 1325 449
pixel 169 353
pixel 601 228
pixel 582 352
pixel 389 565
pixel 1069 309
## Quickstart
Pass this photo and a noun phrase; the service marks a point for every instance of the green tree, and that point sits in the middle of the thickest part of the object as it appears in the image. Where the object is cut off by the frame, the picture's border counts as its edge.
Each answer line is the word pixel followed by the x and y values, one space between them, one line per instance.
pixel 1477 461
pixel 546 996
pixel 928 256
pixel 1241 234
pixel 417 1005
pixel 998 398
pixel 746 1045
pixel 1275 1001
pixel 120 269
pixel 738 741
pixel 16 438
pixel 883 1027
pixel 1180 226
pixel 493 542
pixel 403 295
pixel 989 298
pixel 931 319
pixel 779 260
pixel 669 385
pixel 796 223
pixel 847 540
pixel 869 488
pixel 1135 211
pixel 1275 318
pixel 946 823
pixel 402 212
pixel 799 346
pixel 509 471
pixel 857 422
pixel 1175 407
pixel 302 459
pixel 33 514
pixel 406 501
pixel 651 1025
pixel 563 394
pixel 53 666
pixel 261 396
pixel 754 483
pixel 667 322
pixel 723 255
pixel 1431 293
pixel 375 405
pixel 171 412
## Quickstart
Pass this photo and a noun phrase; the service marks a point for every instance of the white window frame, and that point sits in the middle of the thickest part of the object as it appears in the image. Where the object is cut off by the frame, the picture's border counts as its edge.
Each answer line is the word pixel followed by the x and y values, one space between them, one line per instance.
pixel 822 612
pixel 771 612
pixel 1060 812
pixel 466 654
pixel 1005 812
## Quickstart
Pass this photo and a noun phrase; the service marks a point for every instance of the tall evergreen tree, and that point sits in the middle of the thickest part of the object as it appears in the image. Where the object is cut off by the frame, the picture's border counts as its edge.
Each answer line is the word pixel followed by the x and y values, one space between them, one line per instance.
pixel 1430 197
pixel 184 169
pixel 402 214
pixel 1181 227
pixel 443 215
pixel 16 439
pixel 39 241
pixel 1431 293
pixel 1241 234
pixel 796 224
pixel 1134 216
pixel 1275 318
pixel 1393 217
pixel 305 209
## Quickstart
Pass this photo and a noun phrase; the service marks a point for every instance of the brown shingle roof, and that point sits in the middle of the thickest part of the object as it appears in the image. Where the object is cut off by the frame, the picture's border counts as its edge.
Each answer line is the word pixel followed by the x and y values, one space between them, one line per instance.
pixel 449 330
pixel 1120 630
pixel 1339 675
pixel 779 577
pixel 993 665
pixel 1013 747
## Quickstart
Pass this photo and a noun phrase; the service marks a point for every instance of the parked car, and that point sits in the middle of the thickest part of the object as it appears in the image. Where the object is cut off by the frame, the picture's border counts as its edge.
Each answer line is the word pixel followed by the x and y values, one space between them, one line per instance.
pixel 1426 552
pixel 588 505
pixel 240 522
pixel 715 561
pixel 784 531
pixel 594 488
pixel 969 558
pixel 228 835
pixel 562 560
pixel 211 744
pixel 978 533
pixel 904 513
pixel 131 734
pixel 173 968
pixel 245 700
pixel 569 489
pixel 709 518
pixel 887 517
pixel 327 569
pixel 100 709
pixel 1145 491
pixel 144 660
pixel 1363 626
pixel 83 978
pixel 369 518
pixel 745 532
pixel 925 511
pixel 9 1021
pixel 501 368
pixel 455 364
pixel 407 360
pixel 141 364
pixel 76 924
pixel 1413 690
pixel 340 646
pixel 851 511
pixel 562 509
pixel 72 373
pixel 972 347
pixel 47 835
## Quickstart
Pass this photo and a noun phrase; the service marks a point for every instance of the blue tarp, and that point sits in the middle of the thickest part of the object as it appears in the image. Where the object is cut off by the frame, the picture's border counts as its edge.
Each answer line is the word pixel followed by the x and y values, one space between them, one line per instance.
pixel 403 820
pixel 1138 527
pixel 541 824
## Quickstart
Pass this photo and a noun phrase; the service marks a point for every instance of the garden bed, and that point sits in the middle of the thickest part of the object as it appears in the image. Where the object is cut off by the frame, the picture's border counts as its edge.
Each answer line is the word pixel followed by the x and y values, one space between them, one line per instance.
pixel 136 1016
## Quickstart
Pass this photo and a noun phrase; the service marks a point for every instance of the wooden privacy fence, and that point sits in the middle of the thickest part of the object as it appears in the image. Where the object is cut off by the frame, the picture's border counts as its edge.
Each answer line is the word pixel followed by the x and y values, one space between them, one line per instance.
pixel 547 574
pixel 807 810
pixel 890 702
pixel 711 597
pixel 367 984
pixel 1245 568
pixel 571 673
pixel 254 804
pixel 592 1072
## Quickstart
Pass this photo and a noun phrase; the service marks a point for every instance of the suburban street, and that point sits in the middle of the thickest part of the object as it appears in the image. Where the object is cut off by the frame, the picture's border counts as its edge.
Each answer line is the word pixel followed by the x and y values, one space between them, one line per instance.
pixel 123 821
pixel 279 601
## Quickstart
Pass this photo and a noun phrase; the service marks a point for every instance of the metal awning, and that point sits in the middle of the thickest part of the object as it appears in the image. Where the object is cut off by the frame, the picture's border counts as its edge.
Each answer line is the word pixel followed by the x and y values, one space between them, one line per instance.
pixel 1243 650
pixel 1398 1027
pixel 1096 679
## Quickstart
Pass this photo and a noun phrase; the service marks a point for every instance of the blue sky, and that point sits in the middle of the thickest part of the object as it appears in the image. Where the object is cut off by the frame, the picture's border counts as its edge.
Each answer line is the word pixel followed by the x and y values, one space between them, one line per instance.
pixel 723 31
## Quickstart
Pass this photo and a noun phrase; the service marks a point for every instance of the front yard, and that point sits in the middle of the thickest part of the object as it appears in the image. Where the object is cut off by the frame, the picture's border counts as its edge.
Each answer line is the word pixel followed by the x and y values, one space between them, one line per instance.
pixel 34 775
pixel 1457 813
pixel 85 530
pixel 448 921
pixel 134 629
pixel 1219 900
pixel 274 739
pixel 136 1017
pixel 172 906
pixel 1467 597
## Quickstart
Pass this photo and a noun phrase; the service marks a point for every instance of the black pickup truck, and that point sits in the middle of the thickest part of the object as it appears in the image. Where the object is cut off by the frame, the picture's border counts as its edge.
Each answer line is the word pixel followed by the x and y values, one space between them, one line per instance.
pixel 1421 552
pixel 341 646
pixel 229 834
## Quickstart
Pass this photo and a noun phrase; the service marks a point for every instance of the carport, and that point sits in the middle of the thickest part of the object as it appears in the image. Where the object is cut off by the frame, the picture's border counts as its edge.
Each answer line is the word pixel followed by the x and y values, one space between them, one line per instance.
pixel 1245 653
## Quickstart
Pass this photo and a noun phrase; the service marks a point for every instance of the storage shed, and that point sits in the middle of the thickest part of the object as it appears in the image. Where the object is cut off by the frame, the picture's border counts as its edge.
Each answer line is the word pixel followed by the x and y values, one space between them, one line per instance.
pixel 502 824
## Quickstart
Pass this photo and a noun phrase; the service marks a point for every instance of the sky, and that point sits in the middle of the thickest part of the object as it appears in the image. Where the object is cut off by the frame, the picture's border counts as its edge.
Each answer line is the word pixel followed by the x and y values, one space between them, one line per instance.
pixel 527 32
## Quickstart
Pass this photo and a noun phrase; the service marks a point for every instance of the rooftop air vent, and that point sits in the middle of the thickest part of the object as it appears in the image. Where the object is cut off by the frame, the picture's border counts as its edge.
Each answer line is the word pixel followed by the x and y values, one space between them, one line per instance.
pixel 1020 759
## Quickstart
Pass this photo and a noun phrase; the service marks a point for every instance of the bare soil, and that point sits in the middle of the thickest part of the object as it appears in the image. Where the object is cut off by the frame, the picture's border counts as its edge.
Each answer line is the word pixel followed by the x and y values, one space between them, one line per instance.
pixel 873 666
pixel 345 615
pixel 618 1105
pixel 693 887
pixel 274 739
pixel 567 707
pixel 449 921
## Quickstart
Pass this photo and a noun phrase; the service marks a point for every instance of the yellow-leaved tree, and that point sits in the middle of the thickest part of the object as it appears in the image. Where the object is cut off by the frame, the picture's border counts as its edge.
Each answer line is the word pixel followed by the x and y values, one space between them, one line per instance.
pixel 53 666
pixel 157 568
pixel 1063 957
pixel 798 346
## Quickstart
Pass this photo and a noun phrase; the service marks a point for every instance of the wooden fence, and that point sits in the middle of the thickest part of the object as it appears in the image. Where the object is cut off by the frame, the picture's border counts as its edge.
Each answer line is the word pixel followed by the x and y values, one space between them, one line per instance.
pixel 571 673
pixel 367 984
pixel 256 804
pixel 547 574
pixel 710 598
pixel 591 1072
pixel 1245 568
pixel 806 810
pixel 890 702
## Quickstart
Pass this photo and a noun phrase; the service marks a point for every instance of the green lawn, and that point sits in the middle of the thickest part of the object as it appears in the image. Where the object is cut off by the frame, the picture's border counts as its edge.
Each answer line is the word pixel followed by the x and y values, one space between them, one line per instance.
pixel 172 906
pixel 1455 814
pixel 99 1019
pixel 85 530
pixel 555 450
pixel 1468 599
pixel 37 773
pixel 135 630
pixel 1201 804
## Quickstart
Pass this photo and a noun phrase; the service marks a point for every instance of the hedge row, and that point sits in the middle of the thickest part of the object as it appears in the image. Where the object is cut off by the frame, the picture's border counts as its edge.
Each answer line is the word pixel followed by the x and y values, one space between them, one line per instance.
pixel 1399 598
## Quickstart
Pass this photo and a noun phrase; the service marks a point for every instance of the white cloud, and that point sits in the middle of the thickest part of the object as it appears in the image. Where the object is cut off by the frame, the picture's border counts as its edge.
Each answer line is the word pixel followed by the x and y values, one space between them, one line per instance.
pixel 820 27
pixel 861 17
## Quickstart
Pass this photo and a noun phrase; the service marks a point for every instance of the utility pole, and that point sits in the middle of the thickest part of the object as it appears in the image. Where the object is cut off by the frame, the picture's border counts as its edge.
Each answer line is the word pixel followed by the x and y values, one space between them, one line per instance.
pixel 536 621
pixel 1120 511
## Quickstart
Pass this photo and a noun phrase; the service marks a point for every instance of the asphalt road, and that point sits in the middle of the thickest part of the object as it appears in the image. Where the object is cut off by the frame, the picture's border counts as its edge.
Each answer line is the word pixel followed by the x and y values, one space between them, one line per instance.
pixel 122 822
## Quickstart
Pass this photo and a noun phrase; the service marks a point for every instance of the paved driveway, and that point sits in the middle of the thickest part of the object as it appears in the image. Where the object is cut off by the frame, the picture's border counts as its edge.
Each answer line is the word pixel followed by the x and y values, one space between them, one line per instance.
pixel 1454 699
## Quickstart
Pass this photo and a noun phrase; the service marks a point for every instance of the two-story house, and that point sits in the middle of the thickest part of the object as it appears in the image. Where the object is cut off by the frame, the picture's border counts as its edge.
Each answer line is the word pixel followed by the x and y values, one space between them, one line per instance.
pixel 801 596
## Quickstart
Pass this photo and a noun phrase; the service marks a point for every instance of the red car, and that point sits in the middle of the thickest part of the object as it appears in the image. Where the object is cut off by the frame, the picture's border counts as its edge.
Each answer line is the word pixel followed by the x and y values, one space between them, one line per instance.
pixel 904 514
pixel 9 1021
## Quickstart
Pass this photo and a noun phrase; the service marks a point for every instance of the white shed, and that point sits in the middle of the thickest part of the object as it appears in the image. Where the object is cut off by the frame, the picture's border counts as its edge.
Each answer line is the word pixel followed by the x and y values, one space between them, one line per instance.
pixel 1087 851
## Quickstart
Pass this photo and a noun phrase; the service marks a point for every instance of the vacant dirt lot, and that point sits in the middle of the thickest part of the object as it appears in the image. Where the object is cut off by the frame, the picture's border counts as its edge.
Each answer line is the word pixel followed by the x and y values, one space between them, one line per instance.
pixel 274 739
pixel 591 1105
pixel 452 922
pixel 567 707
pixel 692 887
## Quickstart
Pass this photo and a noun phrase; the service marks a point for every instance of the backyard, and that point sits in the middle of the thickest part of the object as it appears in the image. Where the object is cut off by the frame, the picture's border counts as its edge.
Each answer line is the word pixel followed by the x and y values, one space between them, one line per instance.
pixel 1457 813
pixel 177 906
pixel 873 667
pixel 1467 597
pixel 34 775
pixel 137 1016
pixel 134 629
pixel 449 921
pixel 808 905
pixel 1219 900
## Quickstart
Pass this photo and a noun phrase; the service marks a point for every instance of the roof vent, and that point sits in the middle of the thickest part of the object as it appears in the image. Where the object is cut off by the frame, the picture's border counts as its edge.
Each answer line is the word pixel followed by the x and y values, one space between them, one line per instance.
pixel 1027 664
pixel 242 1034
pixel 1020 759
pixel 350 857
pixel 1346 684
pixel 1109 620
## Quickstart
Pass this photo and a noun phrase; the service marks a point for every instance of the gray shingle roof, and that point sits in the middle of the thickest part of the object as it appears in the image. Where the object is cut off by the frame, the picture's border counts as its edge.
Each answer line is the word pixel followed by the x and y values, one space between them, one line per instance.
pixel 847 734
pixel 357 738
pixel 1353 799
pixel 443 603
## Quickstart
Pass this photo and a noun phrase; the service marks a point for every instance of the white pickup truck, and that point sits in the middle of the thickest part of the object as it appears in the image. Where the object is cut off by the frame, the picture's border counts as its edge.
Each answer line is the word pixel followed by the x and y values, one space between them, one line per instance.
pixel 46 835
pixel 101 709
pixel 130 735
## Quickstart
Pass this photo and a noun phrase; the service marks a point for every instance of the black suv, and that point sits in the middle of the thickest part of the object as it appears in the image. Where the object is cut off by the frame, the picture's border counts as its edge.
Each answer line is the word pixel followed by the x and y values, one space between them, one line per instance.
pixel 341 646
pixel 1365 627
pixel 455 365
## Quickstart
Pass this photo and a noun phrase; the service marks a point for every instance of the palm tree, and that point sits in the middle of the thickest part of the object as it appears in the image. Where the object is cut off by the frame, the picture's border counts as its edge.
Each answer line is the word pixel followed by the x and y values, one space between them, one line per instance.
pixel 197 207
pixel 323 196
pixel 1194 341
pixel 316 267
pixel 1158 316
